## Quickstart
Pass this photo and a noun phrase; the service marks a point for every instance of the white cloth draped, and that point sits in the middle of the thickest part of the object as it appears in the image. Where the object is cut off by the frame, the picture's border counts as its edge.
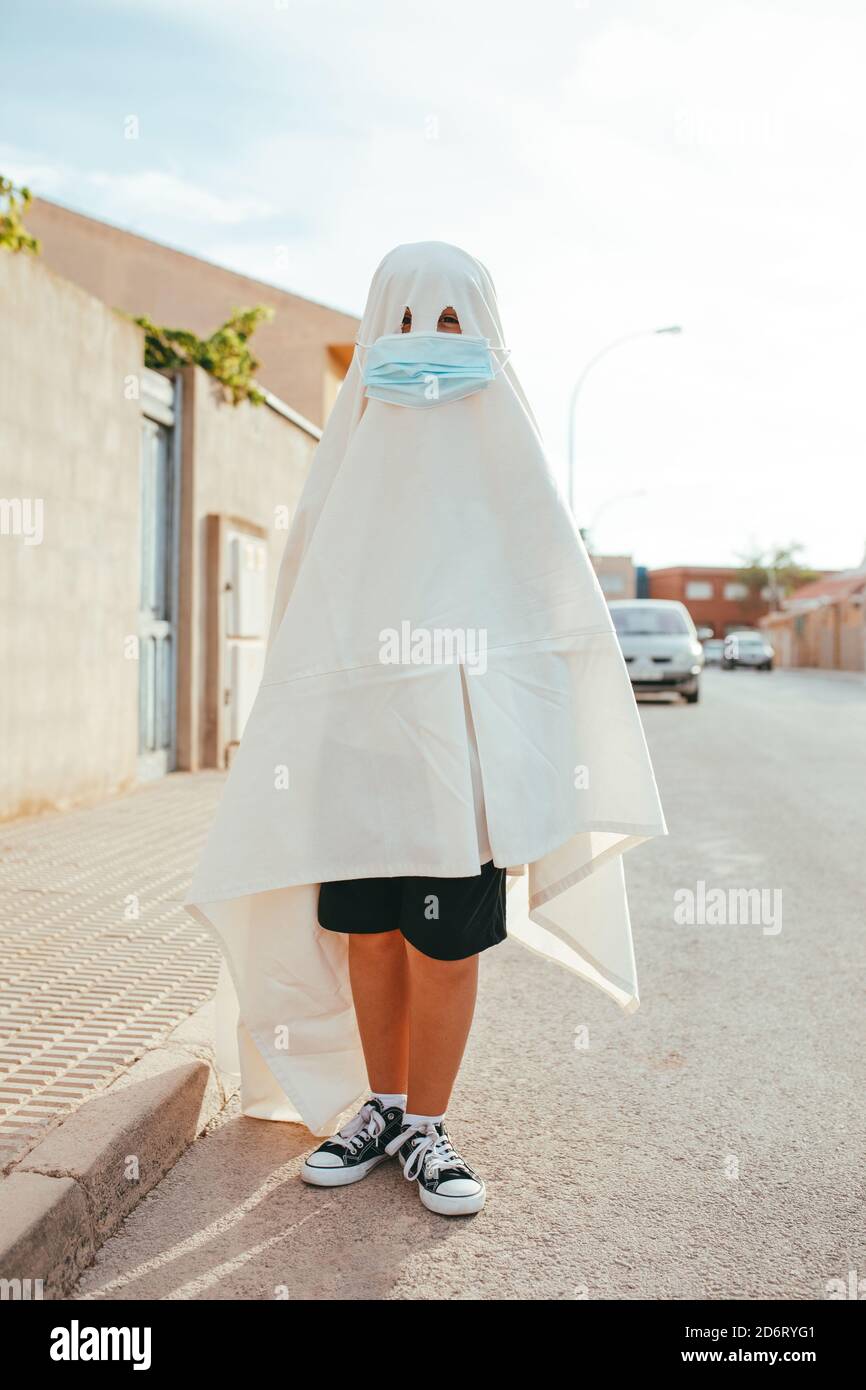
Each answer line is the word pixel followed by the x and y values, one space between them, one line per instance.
pixel 448 520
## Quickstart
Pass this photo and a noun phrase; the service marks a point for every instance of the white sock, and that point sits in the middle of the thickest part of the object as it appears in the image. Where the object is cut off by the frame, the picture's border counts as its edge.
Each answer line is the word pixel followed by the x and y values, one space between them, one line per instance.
pixel 387 1101
pixel 422 1120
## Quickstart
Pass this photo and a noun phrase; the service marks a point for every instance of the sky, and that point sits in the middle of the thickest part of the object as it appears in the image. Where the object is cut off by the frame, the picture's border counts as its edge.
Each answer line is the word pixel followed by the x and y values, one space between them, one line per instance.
pixel 619 166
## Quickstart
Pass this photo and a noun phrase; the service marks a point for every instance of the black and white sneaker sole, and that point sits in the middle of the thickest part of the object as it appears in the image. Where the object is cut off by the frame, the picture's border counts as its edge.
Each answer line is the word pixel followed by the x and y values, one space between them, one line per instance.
pixel 339 1176
pixel 453 1206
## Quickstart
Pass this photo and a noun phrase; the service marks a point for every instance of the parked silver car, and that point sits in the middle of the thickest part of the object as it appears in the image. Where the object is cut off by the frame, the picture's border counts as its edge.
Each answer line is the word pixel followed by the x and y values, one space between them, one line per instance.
pixel 660 645
pixel 747 649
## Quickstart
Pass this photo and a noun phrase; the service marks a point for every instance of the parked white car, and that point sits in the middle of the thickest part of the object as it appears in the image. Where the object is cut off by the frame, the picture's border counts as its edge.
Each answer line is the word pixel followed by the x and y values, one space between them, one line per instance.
pixel 714 650
pixel 747 649
pixel 660 645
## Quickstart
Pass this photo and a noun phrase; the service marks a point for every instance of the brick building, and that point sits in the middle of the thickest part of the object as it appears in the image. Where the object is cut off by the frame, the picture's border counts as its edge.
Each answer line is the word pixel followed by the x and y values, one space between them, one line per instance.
pixel 822 624
pixel 715 596
pixel 616 575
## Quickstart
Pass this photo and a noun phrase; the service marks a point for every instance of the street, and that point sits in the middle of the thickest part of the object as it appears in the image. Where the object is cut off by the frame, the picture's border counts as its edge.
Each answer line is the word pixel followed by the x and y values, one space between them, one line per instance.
pixel 710 1146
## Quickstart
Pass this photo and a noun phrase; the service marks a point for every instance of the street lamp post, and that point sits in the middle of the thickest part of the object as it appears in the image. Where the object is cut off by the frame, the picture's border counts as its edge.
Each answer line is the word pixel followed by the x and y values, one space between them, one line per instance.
pixel 576 389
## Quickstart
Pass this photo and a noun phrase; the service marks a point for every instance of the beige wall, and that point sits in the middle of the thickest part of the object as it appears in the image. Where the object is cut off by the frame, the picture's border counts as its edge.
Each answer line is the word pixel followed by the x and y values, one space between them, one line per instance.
pixel 244 462
pixel 616 574
pixel 852 636
pixel 304 352
pixel 68 435
pixel 70 432
pixel 831 636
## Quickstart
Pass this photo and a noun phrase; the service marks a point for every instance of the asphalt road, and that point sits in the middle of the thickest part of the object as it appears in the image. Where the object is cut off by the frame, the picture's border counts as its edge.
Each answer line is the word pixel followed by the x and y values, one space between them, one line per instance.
pixel 709 1146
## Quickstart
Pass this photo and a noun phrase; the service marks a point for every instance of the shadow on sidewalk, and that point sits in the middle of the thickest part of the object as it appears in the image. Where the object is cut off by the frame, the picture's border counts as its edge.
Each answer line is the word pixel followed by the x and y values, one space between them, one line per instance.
pixel 234 1220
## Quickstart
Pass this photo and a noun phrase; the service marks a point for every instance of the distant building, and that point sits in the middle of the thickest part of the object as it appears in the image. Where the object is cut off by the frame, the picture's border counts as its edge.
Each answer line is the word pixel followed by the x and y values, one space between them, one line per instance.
pixel 616 575
pixel 715 596
pixel 822 624
pixel 305 352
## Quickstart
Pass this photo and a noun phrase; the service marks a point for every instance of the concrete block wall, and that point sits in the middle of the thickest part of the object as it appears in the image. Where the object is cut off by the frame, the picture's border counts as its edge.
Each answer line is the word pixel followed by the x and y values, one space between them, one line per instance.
pixel 69 443
pixel 70 438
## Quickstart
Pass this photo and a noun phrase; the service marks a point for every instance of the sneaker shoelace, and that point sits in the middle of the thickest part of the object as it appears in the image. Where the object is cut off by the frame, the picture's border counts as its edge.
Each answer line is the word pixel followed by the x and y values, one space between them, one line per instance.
pixel 431 1152
pixel 367 1124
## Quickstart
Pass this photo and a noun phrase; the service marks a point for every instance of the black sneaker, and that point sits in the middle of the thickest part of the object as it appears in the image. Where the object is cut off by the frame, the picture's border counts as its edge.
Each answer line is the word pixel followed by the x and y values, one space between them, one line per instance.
pixel 354 1152
pixel 446 1183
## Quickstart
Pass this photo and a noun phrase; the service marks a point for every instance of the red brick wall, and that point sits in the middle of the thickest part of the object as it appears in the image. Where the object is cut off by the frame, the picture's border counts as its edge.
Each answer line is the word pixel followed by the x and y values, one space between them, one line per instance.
pixel 719 613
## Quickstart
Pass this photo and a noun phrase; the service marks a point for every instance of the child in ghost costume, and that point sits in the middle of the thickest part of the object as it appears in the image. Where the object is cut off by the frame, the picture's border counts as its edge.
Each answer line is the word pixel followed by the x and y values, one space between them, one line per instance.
pixel 444 711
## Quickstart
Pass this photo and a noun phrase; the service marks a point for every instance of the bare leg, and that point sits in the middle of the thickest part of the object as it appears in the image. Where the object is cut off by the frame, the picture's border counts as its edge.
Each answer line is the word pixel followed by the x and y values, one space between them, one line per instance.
pixel 380 988
pixel 441 1004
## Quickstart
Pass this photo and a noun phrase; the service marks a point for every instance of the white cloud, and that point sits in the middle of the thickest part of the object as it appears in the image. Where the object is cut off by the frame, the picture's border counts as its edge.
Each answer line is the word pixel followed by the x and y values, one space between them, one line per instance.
pixel 153 196
pixel 157 194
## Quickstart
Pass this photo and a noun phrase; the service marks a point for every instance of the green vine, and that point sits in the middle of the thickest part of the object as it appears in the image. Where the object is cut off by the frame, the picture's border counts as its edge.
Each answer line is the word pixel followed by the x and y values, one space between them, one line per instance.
pixel 224 354
pixel 13 234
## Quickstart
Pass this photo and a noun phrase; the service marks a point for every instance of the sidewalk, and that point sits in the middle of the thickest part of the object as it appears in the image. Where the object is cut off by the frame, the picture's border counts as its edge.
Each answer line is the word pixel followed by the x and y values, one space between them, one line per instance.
pixel 855 677
pixel 98 959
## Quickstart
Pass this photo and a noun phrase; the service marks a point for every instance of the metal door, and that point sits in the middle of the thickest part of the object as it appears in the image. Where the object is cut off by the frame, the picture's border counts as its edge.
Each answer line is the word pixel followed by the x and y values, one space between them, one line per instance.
pixel 156 631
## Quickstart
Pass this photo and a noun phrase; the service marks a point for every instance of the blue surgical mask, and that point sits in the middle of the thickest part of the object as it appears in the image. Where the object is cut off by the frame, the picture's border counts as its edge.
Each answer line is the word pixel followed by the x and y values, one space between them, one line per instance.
pixel 422 369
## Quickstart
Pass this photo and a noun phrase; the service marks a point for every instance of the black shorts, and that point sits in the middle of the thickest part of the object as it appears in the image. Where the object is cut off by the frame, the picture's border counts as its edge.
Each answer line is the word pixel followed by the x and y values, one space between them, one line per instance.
pixel 446 918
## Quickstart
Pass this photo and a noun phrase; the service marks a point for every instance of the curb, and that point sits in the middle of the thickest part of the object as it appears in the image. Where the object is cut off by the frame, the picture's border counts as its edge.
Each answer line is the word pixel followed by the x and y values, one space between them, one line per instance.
pixel 63 1200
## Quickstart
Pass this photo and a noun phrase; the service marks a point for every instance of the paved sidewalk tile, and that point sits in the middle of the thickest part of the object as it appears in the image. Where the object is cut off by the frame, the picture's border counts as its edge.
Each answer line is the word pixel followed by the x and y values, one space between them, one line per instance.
pixel 98 959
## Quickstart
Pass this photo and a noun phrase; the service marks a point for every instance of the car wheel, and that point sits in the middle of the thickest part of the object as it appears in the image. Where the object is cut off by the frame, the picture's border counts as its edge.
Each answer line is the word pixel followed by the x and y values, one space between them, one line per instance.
pixel 692 696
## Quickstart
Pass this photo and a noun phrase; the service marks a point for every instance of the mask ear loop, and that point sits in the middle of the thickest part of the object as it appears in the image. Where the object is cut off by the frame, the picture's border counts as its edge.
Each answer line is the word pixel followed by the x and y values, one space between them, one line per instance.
pixel 500 366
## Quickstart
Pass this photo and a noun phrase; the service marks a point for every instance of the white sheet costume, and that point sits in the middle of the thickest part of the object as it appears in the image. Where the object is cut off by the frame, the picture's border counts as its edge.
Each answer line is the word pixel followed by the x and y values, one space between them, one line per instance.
pixel 414 523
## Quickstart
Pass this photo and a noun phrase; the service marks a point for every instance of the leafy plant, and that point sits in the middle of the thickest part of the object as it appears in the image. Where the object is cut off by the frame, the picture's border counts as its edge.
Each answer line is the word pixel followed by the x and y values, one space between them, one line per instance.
pixel 13 234
pixel 778 570
pixel 224 354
